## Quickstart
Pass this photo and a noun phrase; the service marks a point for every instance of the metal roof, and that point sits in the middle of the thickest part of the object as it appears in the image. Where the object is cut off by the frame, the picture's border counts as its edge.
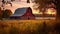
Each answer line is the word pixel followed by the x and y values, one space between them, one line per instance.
pixel 20 11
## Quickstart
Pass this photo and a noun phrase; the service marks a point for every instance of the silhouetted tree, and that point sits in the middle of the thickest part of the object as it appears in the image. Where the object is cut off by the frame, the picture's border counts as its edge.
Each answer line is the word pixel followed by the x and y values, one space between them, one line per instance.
pixel 43 3
pixel 6 13
pixel 28 1
pixel 6 2
pixel 3 2
pixel 12 0
pixel 0 14
pixel 57 3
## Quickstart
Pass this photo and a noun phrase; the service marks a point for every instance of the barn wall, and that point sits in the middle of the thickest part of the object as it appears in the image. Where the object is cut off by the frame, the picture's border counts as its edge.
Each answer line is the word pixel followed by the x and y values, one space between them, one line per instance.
pixel 26 18
pixel 28 14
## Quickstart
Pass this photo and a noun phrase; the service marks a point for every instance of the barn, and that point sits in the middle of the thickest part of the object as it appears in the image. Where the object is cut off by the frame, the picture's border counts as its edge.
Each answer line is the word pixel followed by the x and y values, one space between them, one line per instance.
pixel 23 13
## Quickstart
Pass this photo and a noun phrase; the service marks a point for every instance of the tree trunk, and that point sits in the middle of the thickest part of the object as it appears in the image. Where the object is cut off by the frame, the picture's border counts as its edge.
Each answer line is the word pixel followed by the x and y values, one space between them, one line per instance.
pixel 58 10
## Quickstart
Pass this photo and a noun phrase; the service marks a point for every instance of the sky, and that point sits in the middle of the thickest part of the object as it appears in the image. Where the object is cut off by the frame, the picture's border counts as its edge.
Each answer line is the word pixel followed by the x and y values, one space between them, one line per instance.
pixel 19 4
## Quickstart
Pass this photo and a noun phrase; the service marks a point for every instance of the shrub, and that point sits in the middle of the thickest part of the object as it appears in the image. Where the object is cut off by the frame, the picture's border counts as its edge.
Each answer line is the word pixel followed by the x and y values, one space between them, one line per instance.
pixel 6 13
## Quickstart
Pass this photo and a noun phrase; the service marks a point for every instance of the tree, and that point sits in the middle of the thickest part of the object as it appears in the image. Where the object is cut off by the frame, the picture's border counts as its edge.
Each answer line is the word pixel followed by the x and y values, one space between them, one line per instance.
pixel 6 13
pixel 57 3
pixel 0 13
pixel 12 0
pixel 6 2
pixel 43 3
pixel 3 2
pixel 28 1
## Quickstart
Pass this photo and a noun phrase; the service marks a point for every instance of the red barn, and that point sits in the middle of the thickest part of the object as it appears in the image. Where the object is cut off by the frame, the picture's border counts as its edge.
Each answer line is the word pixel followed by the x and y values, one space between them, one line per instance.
pixel 23 13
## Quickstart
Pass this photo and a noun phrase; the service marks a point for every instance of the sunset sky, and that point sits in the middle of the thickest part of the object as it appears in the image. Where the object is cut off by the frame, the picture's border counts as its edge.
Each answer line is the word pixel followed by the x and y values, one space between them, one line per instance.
pixel 23 3
pixel 19 4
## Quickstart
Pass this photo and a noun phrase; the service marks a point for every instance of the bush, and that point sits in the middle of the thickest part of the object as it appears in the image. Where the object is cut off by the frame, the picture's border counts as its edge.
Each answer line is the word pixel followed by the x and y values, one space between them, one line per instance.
pixel 6 13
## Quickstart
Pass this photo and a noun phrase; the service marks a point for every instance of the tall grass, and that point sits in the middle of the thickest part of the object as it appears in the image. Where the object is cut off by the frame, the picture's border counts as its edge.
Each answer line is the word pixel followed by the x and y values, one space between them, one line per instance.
pixel 28 27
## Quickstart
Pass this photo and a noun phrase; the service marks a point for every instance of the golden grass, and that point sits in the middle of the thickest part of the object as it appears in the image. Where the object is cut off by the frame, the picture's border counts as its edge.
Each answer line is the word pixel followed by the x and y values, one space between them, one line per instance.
pixel 24 25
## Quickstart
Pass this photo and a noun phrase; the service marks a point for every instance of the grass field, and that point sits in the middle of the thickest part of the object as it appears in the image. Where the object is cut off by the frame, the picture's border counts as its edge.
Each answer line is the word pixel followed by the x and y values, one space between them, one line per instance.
pixel 27 27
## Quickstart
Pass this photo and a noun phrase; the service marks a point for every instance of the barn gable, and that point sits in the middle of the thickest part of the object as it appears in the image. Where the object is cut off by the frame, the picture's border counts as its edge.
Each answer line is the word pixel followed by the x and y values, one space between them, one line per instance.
pixel 23 13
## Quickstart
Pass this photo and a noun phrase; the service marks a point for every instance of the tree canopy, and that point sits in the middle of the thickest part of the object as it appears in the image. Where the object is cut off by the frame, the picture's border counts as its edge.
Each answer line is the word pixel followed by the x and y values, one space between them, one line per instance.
pixel 6 13
pixel 43 3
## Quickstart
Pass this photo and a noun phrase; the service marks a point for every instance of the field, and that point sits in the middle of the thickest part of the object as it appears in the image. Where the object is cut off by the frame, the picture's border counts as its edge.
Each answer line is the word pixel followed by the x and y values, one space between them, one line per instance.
pixel 28 27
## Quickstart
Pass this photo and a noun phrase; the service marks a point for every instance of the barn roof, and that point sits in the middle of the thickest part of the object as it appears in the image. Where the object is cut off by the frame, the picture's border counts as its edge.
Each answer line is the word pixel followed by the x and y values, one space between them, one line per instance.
pixel 20 11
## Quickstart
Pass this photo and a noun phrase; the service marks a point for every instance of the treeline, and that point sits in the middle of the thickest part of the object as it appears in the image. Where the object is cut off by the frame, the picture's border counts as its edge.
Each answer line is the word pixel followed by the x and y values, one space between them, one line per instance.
pixel 5 13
